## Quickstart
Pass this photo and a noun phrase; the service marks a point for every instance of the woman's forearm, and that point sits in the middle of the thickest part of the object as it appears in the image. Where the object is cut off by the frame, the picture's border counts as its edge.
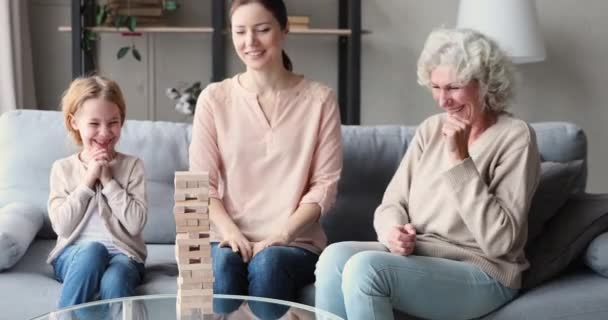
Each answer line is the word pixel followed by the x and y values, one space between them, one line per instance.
pixel 220 218
pixel 305 215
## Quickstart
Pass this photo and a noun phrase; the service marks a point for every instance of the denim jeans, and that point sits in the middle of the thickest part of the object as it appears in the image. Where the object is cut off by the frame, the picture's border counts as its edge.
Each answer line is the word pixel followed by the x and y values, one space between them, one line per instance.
pixel 277 272
pixel 362 280
pixel 88 271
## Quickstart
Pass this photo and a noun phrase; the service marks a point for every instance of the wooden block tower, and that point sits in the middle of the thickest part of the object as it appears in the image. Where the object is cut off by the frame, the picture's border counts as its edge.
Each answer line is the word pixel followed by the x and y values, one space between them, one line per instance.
pixel 192 247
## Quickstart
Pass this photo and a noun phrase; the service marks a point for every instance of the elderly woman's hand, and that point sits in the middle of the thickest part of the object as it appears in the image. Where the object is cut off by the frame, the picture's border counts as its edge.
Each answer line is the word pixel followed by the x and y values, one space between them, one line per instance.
pixel 457 131
pixel 402 239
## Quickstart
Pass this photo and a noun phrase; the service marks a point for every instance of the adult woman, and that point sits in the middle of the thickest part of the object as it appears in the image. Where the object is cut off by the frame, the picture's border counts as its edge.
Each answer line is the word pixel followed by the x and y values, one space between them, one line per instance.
pixel 452 224
pixel 271 142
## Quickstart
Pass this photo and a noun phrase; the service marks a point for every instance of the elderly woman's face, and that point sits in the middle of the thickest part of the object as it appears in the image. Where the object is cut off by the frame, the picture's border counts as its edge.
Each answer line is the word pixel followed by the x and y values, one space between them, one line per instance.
pixel 454 98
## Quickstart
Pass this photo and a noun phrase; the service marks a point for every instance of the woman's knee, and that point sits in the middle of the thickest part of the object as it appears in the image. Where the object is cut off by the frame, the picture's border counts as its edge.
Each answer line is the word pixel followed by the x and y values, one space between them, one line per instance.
pixel 335 256
pixel 363 272
pixel 225 260
pixel 268 260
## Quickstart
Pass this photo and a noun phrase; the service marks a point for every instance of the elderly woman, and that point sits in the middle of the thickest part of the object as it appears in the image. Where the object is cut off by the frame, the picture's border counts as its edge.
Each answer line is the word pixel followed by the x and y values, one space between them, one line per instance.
pixel 452 224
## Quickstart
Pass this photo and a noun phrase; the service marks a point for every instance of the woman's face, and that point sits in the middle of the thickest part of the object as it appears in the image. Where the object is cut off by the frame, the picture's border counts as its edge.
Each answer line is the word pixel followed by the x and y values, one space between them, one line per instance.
pixel 454 98
pixel 257 36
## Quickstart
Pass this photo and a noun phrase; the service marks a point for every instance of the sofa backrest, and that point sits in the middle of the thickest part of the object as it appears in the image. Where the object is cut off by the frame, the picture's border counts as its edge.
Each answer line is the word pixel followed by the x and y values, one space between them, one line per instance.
pixel 31 140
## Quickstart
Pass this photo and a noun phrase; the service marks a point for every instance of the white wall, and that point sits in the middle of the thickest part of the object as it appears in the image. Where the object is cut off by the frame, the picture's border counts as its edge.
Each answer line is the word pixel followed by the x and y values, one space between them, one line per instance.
pixel 569 85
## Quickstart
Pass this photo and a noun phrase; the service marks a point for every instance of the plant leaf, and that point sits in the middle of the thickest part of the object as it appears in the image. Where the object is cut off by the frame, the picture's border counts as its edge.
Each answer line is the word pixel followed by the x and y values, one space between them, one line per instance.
pixel 136 54
pixel 118 21
pixel 170 5
pixel 131 23
pixel 122 52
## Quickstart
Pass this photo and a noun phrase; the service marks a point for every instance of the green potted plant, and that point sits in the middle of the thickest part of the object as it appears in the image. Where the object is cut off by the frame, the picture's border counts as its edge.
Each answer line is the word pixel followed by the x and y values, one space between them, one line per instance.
pixel 121 18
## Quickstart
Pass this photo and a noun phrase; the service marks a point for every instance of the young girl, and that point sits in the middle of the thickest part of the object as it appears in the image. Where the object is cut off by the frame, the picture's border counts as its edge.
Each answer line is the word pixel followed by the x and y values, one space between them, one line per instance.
pixel 97 202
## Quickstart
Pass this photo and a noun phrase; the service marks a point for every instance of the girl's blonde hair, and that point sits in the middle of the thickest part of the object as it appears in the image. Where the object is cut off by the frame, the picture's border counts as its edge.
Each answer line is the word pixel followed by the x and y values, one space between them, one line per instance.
pixel 90 87
pixel 472 56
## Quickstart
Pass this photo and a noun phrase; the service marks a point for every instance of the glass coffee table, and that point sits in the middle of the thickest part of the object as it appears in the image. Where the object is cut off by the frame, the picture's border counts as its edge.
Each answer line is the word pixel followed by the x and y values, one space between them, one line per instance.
pixel 163 307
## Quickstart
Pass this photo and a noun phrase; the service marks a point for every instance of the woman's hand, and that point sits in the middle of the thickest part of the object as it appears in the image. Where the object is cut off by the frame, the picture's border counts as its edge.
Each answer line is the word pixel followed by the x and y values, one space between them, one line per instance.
pixel 274 240
pixel 402 239
pixel 457 131
pixel 237 241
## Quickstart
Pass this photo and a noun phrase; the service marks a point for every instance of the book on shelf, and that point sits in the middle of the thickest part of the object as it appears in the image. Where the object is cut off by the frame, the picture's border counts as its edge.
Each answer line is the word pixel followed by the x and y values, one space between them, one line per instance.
pixel 134 3
pixel 143 21
pixel 298 19
pixel 299 22
pixel 137 12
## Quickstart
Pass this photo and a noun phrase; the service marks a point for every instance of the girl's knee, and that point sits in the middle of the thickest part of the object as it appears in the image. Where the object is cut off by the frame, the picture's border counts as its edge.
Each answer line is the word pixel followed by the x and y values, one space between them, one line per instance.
pixel 93 251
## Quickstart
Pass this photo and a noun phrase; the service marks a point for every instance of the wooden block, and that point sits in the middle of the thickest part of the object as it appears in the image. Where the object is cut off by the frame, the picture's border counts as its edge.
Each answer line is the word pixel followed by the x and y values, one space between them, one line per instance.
pixel 198 285
pixel 188 193
pixel 191 206
pixel 193 313
pixel 187 216
pixel 192 175
pixel 196 266
pixel 192 257
pixel 192 260
pixel 195 292
pixel 183 239
pixel 204 256
pixel 196 280
pixel 202 276
pixel 192 228
pixel 194 299
pixel 193 251
pixel 200 250
pixel 179 210
pixel 180 185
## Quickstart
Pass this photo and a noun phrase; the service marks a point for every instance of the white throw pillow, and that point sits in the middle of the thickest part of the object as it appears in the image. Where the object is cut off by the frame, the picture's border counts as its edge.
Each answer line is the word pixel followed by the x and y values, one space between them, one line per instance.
pixel 19 223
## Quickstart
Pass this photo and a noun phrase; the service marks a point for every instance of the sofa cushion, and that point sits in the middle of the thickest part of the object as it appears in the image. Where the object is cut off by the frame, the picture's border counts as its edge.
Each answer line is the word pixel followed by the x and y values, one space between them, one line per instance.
pixel 580 295
pixel 557 181
pixel 565 237
pixel 19 223
pixel 596 256
pixel 371 157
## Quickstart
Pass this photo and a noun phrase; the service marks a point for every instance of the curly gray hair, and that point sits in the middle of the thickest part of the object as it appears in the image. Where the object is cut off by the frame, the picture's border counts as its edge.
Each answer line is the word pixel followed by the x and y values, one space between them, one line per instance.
pixel 472 56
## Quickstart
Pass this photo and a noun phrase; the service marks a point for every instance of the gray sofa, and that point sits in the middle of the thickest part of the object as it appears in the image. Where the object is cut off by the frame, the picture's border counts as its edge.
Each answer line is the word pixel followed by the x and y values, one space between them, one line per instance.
pixel 561 288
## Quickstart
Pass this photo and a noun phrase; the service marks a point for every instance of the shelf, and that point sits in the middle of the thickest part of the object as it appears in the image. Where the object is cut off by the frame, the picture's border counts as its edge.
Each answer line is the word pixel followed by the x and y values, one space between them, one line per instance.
pixel 315 31
pixel 297 31
pixel 145 29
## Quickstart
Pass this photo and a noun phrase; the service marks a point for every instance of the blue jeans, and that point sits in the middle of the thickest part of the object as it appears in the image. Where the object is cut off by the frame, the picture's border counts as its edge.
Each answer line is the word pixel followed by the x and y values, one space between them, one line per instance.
pixel 88 271
pixel 362 280
pixel 277 272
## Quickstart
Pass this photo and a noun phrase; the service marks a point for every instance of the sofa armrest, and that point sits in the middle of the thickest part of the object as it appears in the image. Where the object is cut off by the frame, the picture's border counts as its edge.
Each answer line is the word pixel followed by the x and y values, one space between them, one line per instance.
pixel 19 223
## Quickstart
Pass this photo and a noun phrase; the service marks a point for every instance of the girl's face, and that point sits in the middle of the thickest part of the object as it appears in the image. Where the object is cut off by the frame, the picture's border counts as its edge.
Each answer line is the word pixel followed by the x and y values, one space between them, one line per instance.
pixel 257 36
pixel 98 123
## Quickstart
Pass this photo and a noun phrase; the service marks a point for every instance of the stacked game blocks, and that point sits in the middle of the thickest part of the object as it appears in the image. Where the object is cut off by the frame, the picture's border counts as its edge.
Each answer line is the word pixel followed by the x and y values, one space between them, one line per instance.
pixel 192 247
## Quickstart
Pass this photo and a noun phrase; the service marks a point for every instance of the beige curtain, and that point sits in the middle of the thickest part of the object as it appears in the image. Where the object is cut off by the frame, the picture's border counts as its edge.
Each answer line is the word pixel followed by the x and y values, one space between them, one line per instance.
pixel 16 70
